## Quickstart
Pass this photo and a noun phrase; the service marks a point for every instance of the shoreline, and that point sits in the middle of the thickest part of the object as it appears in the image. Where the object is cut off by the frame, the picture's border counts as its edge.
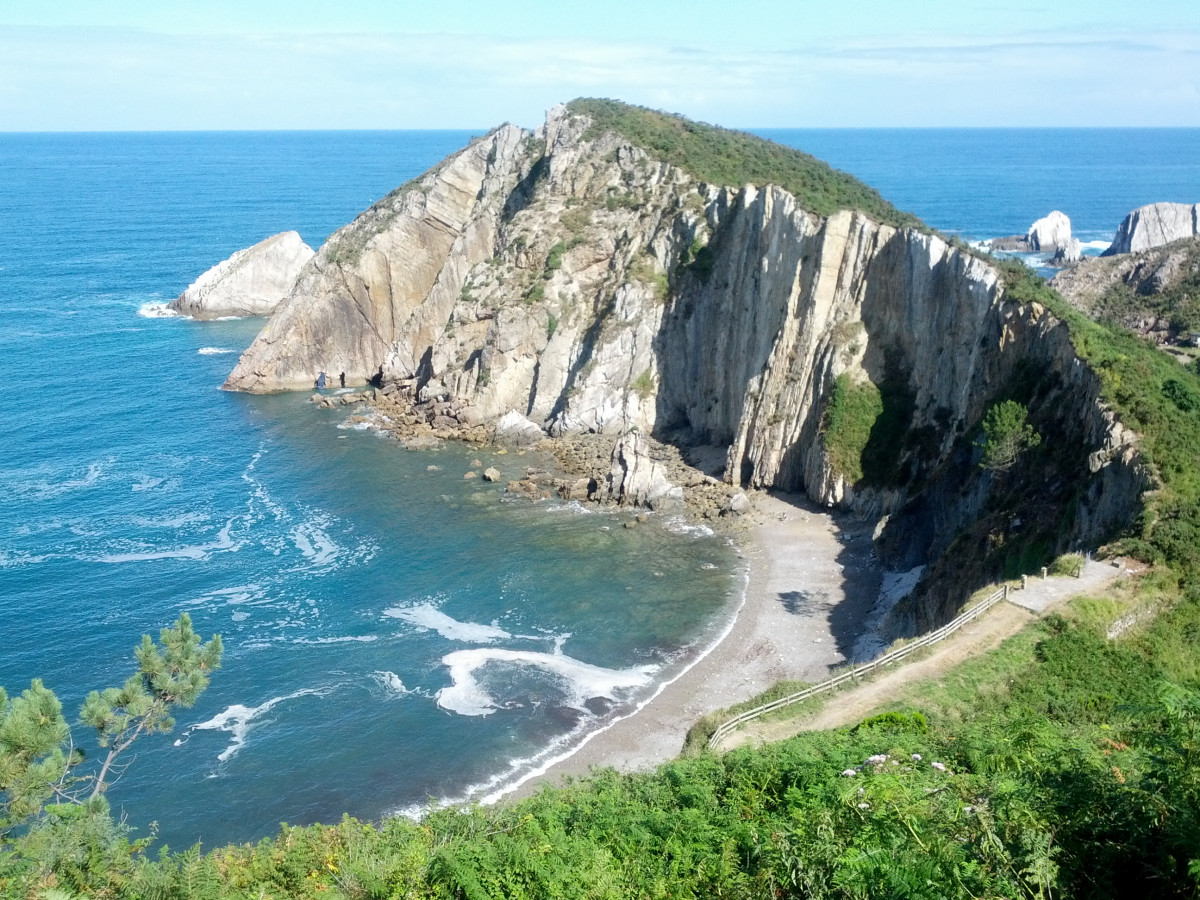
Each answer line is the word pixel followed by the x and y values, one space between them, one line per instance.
pixel 808 586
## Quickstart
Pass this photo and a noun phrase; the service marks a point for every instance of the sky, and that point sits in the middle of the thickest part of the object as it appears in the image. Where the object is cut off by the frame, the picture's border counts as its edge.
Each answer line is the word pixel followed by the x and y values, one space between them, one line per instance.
pixel 117 65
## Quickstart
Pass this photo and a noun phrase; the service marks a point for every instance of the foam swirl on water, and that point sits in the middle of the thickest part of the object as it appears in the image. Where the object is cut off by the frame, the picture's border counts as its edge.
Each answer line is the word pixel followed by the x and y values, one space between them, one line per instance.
pixel 580 681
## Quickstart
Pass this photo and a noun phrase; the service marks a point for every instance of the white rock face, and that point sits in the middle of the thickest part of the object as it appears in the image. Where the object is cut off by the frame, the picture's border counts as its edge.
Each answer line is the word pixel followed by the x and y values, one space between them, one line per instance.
pixel 1155 225
pixel 1068 255
pixel 252 282
pixel 1051 232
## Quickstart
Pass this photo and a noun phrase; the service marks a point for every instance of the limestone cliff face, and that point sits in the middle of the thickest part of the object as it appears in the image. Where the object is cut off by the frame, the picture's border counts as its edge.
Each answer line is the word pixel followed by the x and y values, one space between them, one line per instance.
pixel 569 276
pixel 252 282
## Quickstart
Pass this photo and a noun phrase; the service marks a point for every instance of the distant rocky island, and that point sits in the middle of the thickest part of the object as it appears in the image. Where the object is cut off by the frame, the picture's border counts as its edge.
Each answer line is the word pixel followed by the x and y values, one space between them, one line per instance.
pixel 649 292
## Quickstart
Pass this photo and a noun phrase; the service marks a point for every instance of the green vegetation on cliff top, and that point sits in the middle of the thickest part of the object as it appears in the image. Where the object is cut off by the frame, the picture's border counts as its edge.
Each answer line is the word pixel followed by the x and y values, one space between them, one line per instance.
pixel 733 158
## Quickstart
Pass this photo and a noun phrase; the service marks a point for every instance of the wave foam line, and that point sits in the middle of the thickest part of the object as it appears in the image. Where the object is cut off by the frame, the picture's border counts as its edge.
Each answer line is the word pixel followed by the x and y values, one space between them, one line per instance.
pixel 214 351
pixel 540 765
pixel 196 551
pixel 585 681
pixel 238 719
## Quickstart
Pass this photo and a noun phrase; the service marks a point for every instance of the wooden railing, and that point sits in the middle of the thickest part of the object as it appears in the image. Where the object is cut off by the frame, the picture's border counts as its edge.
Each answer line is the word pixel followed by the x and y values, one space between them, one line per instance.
pixel 867 668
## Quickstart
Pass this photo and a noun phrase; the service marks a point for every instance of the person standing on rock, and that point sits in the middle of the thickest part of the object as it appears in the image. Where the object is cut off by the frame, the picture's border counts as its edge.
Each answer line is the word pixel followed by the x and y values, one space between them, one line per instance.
pixel 321 382
pixel 342 378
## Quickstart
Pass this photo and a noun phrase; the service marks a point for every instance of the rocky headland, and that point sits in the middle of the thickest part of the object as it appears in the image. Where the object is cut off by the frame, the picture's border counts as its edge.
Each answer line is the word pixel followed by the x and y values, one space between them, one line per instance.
pixel 647 292
pixel 251 282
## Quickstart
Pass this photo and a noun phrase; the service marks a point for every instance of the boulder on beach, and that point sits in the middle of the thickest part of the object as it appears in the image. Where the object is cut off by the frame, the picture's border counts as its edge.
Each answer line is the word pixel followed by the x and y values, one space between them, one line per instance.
pixel 252 282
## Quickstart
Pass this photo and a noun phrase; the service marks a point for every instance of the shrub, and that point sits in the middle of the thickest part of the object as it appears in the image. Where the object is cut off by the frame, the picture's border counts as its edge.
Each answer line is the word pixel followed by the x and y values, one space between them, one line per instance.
pixel 1007 435
pixel 851 414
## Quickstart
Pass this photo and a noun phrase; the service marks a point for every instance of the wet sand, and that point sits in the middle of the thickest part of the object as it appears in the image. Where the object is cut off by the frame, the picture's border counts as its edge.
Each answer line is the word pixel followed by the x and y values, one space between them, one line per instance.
pixel 808 587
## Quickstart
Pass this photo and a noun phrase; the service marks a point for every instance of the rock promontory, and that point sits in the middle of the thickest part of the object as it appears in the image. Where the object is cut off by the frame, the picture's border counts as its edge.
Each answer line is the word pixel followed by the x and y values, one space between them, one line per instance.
pixel 252 282
pixel 671 286
pixel 1155 225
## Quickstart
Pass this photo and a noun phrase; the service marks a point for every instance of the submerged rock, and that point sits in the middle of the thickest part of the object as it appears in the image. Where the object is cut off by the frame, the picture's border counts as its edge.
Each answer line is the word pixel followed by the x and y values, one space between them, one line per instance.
pixel 252 282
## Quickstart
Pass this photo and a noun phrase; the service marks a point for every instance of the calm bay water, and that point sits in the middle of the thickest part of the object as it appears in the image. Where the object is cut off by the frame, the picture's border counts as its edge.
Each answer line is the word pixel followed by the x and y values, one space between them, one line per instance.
pixel 393 632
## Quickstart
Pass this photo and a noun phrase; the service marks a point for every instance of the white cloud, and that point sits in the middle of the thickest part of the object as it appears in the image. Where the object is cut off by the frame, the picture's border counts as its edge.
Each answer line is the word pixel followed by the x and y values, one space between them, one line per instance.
pixel 120 79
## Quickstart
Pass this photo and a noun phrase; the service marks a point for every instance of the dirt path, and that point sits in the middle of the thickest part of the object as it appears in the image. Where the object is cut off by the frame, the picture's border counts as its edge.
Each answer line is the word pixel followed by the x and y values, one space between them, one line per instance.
pixel 988 631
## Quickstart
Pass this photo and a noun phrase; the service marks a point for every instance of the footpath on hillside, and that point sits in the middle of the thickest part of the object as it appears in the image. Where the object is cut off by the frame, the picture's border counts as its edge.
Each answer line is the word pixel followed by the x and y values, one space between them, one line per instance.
pixel 1002 621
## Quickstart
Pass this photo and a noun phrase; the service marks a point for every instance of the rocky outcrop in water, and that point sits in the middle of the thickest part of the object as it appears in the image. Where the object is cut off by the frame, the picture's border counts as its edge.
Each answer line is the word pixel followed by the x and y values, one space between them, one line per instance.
pixel 1048 234
pixel 252 282
pixel 571 277
pixel 1155 225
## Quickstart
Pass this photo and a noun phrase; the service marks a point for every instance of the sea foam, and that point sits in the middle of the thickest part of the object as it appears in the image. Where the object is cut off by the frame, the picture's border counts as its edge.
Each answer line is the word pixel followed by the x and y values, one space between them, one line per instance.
pixel 159 310
pixel 426 615
pixel 580 681
pixel 238 720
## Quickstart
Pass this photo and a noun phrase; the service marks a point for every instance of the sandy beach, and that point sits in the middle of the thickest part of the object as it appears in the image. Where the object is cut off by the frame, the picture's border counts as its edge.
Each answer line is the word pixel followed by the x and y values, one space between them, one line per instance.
pixel 809 586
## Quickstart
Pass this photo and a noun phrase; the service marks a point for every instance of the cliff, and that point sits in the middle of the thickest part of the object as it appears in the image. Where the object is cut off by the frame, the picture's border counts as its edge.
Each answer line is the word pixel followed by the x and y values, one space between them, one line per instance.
pixel 574 275
pixel 251 282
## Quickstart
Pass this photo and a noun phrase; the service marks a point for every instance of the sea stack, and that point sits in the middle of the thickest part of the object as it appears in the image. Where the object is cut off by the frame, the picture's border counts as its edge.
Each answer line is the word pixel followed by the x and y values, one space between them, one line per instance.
pixel 252 282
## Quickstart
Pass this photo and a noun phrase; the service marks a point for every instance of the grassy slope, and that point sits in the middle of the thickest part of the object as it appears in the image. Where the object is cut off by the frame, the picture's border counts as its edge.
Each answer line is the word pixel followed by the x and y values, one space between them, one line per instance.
pixel 733 158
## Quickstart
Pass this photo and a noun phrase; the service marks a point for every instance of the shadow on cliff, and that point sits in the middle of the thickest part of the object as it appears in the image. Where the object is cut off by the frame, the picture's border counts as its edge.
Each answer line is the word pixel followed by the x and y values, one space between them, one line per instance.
pixel 860 578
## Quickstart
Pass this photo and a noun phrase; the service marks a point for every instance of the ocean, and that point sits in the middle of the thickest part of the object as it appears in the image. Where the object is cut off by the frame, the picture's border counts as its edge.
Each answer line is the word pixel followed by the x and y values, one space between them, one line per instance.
pixel 395 634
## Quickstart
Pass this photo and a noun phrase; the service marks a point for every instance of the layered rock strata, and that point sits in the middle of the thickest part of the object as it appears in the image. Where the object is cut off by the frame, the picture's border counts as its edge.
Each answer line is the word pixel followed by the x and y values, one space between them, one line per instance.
pixel 252 282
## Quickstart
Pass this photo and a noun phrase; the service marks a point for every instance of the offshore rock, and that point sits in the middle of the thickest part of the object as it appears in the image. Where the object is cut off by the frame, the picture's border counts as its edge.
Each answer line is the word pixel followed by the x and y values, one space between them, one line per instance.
pixel 252 282
pixel 1051 232
pixel 1155 225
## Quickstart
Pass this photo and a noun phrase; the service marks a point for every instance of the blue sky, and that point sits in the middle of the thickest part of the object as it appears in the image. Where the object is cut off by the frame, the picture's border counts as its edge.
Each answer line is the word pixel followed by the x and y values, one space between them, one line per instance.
pixel 136 65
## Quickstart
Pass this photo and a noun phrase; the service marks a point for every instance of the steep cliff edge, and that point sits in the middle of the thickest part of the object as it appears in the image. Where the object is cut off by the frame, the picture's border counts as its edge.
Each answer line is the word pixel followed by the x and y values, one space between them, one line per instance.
pixel 575 276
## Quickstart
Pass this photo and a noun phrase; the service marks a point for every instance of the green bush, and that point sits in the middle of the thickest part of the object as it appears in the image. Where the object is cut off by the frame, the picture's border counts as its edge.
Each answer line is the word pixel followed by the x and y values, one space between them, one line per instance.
pixel 849 417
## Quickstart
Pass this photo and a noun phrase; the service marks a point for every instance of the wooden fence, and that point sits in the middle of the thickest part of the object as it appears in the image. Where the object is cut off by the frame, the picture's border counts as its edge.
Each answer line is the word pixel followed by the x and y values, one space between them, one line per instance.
pixel 867 668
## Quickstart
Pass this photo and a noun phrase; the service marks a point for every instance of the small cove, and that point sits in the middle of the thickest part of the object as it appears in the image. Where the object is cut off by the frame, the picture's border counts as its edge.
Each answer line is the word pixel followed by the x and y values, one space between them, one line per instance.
pixel 356 588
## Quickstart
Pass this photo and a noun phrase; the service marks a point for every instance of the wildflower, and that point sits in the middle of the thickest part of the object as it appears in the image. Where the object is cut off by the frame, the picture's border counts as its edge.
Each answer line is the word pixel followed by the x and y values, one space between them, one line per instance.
pixel 895 762
pixel 917 757
pixel 864 806
pixel 968 809
pixel 849 773
pixel 941 767
pixel 877 759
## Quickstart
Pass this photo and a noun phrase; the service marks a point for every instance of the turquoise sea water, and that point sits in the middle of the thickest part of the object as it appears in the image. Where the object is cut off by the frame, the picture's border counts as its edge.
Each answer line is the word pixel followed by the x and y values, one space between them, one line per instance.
pixel 393 632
